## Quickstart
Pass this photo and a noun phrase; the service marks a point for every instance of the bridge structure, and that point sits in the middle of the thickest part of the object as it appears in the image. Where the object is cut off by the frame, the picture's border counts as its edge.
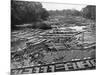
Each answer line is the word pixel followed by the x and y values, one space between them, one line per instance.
pixel 75 65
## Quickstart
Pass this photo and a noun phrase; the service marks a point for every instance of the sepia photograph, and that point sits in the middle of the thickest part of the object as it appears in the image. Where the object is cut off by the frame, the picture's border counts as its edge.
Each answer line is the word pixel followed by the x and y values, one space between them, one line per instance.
pixel 52 37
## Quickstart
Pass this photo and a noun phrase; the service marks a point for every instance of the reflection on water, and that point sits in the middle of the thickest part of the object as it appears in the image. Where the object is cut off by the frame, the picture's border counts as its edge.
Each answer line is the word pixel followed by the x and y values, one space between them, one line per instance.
pixel 78 28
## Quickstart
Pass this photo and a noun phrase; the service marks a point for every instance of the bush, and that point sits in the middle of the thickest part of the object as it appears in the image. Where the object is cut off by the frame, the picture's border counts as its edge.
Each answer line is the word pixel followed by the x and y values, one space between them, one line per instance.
pixel 42 25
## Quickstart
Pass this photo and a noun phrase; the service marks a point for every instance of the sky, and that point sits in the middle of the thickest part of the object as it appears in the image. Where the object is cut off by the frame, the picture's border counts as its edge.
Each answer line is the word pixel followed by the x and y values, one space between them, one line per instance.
pixel 61 6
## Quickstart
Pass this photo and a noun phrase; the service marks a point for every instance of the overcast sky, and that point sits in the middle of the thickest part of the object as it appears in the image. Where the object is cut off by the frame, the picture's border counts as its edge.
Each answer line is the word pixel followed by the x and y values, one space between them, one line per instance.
pixel 61 6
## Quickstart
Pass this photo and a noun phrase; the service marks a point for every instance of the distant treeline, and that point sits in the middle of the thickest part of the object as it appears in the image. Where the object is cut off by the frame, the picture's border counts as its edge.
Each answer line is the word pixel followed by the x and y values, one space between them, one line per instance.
pixel 27 12
pixel 71 12
pixel 88 12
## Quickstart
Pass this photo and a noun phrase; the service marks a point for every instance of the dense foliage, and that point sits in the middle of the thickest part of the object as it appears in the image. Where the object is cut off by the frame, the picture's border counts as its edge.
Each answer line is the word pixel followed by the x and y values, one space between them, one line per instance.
pixel 89 12
pixel 27 12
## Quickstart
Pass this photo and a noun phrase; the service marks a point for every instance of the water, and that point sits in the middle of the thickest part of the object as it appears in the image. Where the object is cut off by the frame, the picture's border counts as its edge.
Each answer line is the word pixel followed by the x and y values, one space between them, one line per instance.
pixel 78 28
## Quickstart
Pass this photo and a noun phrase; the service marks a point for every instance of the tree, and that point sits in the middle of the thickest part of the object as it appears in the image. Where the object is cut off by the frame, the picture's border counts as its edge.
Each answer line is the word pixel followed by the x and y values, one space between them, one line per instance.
pixel 89 12
pixel 27 12
pixel 45 14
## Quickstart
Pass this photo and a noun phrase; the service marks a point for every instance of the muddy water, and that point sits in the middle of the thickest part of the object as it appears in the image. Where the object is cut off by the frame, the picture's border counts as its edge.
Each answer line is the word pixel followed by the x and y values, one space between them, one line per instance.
pixel 18 45
pixel 89 37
